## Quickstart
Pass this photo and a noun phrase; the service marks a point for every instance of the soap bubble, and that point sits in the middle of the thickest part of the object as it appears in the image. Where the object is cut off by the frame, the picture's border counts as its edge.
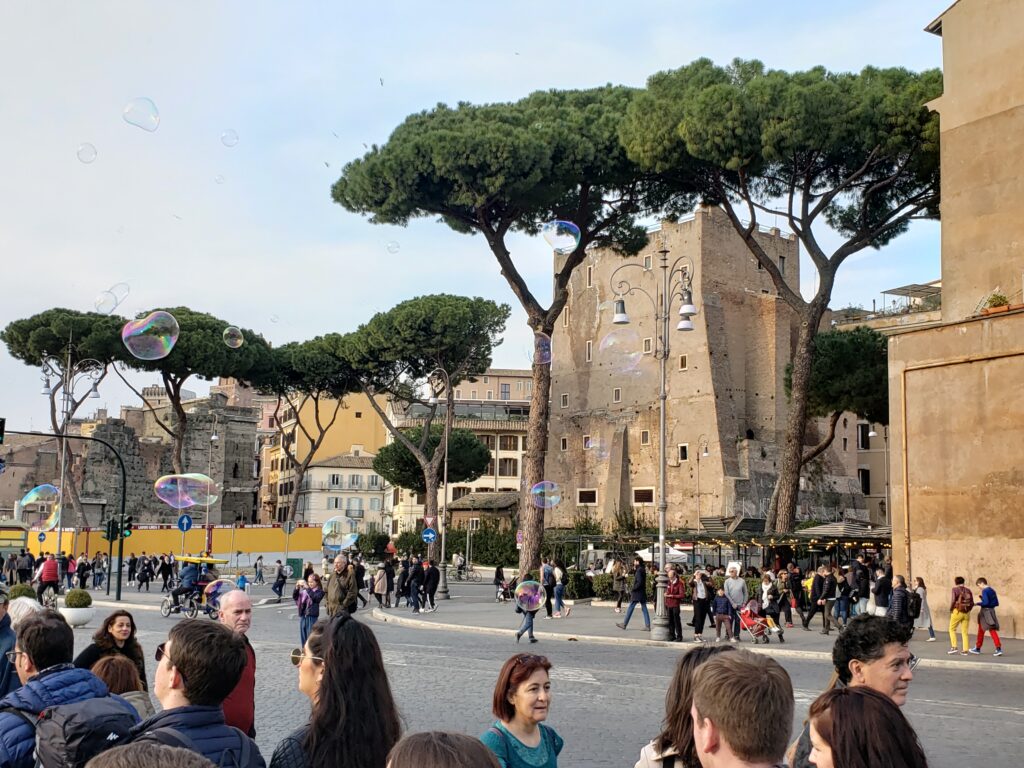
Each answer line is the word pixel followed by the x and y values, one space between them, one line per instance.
pixel 349 540
pixel 275 319
pixel 529 595
pixel 333 531
pixel 216 589
pixel 545 494
pixel 218 179
pixel 599 448
pixel 393 246
pixel 188 490
pixel 53 520
pixel 86 153
pixel 151 338
pixel 41 494
pixel 142 112
pixel 229 138
pixel 120 291
pixel 542 348
pixel 622 348
pixel 105 303
pixel 562 236
pixel 233 337
pixel 202 489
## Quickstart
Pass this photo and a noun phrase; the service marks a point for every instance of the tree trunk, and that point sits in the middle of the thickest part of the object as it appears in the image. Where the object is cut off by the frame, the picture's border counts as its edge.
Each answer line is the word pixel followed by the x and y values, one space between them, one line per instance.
pixel 531 517
pixel 300 474
pixel 432 482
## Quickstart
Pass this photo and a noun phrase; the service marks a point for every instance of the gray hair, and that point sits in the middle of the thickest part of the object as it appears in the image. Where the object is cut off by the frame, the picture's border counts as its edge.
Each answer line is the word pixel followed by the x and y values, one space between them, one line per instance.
pixel 21 608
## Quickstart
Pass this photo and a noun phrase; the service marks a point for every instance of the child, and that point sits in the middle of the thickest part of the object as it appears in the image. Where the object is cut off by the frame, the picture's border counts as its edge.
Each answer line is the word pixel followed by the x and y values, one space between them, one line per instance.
pixel 722 610
pixel 240 581
pixel 987 621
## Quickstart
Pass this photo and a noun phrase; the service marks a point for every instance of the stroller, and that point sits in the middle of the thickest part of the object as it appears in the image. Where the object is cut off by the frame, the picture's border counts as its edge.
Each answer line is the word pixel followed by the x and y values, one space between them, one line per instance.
pixel 506 593
pixel 760 628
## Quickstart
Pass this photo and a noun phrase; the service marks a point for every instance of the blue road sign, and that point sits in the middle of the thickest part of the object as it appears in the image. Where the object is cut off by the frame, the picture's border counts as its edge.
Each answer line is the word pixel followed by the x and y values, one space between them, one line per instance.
pixel 42 537
pixel 429 535
pixel 184 523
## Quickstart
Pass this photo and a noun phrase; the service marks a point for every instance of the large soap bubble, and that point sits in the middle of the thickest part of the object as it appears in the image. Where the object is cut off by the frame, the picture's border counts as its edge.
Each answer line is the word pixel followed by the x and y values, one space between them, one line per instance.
pixel 105 302
pixel 542 348
pixel 187 490
pixel 41 494
pixel 622 349
pixel 529 595
pixel 151 337
pixel 334 531
pixel 229 138
pixel 142 113
pixel 562 236
pixel 216 589
pixel 86 153
pixel 546 494
pixel 233 337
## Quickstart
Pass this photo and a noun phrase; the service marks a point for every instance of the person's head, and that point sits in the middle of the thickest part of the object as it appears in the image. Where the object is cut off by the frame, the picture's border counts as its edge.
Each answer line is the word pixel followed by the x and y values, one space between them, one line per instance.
pixel 523 689
pixel 340 563
pixel 872 652
pixel 732 573
pixel 959 581
pixel 742 709
pixel 43 640
pixel 898 582
pixel 117 629
pixel 766 578
pixel 721 591
pixel 860 559
pixel 20 608
pixel 841 717
pixel 341 669
pixel 919 583
pixel 879 573
pixel 677 731
pixel 200 664
pixel 235 611
pixel 146 754
pixel 119 673
pixel 981 582
pixel 638 562
pixel 441 749
pixel 314 580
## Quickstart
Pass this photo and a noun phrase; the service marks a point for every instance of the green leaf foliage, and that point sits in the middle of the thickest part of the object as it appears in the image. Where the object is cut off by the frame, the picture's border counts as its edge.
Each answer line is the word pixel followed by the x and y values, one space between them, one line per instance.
pixel 308 368
pixel 77 598
pixel 92 336
pixel 467 458
pixel 23 590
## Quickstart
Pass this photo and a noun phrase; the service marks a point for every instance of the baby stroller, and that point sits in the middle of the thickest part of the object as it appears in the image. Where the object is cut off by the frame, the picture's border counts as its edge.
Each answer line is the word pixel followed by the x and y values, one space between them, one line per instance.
pixel 505 591
pixel 760 628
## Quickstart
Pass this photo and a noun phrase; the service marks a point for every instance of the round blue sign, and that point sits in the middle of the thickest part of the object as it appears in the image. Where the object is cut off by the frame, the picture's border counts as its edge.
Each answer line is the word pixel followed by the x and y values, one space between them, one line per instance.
pixel 42 537
pixel 429 535
pixel 184 523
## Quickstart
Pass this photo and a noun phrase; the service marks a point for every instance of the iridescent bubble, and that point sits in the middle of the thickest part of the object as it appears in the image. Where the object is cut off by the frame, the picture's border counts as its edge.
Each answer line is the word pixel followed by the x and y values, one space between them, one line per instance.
pixel 599 448
pixel 53 520
pixel 529 595
pixel 152 337
pixel 563 236
pixel 142 113
pixel 622 349
pixel 275 319
pixel 349 540
pixel 333 531
pixel 216 589
pixel 545 494
pixel 218 179
pixel 41 494
pixel 202 489
pixel 86 153
pixel 233 337
pixel 229 138
pixel 105 303
pixel 120 291
pixel 542 348
pixel 393 246
pixel 188 490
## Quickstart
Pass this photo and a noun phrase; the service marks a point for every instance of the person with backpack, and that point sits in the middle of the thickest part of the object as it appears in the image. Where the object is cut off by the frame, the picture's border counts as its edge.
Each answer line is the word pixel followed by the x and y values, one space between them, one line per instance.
pixel 198 666
pixel 547 580
pixel 561 577
pixel 960 606
pixel 987 621
pixel 899 603
pixel 64 714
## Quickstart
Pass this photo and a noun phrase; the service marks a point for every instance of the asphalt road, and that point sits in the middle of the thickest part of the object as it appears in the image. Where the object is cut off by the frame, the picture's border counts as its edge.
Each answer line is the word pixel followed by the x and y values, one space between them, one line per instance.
pixel 608 701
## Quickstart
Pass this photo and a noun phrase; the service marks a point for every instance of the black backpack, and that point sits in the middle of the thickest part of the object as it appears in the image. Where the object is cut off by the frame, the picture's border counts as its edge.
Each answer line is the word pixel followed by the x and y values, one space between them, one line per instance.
pixel 69 735
pixel 172 737
pixel 913 605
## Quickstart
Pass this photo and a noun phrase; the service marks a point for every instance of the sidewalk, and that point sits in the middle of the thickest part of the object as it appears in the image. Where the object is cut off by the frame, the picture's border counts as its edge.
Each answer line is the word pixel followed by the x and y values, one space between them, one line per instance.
pixel 470 612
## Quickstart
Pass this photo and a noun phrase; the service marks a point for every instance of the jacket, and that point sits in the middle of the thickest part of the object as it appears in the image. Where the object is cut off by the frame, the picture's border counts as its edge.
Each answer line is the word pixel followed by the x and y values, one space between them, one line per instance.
pixel 341 591
pixel 380 582
pixel 897 610
pixel 818 588
pixel 141 701
pixel 722 606
pixel 93 653
pixel 881 591
pixel 431 578
pixel 309 602
pixel 675 593
pixel 650 757
pixel 863 581
pixel 416 575
pixel 206 729
pixel 988 598
pixel 828 590
pixel 239 708
pixel 8 674
pixel 60 684
pixel 291 752
pixel 189 575
pixel 48 571
pixel 639 591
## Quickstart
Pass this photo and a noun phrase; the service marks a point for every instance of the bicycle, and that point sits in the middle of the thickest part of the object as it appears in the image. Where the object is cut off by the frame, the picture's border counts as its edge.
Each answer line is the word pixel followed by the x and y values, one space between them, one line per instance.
pixel 50 598
pixel 191 605
pixel 465 574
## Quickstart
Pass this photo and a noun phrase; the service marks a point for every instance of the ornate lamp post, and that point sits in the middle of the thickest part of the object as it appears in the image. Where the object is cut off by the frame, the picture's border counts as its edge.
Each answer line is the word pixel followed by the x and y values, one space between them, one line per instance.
pixel 676 282
pixel 442 589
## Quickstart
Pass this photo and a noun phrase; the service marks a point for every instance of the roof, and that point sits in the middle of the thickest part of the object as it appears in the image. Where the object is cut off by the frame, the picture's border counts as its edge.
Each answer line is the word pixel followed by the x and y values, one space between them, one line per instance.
pixel 935 26
pixel 345 462
pixel 848 529
pixel 915 291
pixel 493 501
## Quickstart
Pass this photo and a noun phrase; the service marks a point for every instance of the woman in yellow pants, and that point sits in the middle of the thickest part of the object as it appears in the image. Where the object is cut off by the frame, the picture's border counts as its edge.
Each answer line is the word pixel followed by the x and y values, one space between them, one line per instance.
pixel 959 615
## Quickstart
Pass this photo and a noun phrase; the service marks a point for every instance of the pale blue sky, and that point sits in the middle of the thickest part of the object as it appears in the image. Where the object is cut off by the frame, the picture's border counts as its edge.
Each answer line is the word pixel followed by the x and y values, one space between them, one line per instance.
pixel 301 84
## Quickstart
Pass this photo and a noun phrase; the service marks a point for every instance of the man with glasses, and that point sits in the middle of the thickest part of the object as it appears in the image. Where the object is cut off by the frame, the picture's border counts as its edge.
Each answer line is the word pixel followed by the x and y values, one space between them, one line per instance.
pixel 197 668
pixel 240 706
pixel 873 652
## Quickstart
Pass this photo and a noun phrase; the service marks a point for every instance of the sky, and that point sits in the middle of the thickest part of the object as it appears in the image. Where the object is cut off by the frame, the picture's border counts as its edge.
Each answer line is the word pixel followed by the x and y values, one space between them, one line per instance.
pixel 249 232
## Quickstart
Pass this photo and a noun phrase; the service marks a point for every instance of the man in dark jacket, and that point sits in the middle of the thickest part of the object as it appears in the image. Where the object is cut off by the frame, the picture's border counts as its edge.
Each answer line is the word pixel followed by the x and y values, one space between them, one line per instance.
pixel 340 593
pixel 638 595
pixel 817 597
pixel 882 590
pixel 416 579
pixel 8 676
pixel 898 609
pixel 26 564
pixel 198 666
pixel 44 649
pixel 431 578
pixel 863 578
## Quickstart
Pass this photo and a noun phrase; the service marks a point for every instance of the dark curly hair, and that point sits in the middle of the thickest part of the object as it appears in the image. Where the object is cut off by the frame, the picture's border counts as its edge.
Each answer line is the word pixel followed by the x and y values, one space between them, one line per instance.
pixel 105 641
pixel 864 639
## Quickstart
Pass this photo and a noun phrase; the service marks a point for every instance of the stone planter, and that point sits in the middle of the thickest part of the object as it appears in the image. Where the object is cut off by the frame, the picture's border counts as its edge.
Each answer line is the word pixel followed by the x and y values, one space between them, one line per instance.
pixel 77 617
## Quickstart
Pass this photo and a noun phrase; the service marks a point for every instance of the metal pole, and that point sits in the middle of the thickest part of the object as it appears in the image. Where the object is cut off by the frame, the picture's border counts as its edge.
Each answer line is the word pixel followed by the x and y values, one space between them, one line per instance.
pixel 120 556
pixel 110 555
pixel 442 590
pixel 65 418
pixel 659 628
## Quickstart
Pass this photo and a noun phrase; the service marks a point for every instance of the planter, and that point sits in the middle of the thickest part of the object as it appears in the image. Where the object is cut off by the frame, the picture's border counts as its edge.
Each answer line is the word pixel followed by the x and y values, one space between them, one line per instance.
pixel 995 310
pixel 77 617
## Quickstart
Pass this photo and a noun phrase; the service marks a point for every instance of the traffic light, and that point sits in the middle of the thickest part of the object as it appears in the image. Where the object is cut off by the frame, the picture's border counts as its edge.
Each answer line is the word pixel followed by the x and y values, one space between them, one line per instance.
pixel 109 530
pixel 126 530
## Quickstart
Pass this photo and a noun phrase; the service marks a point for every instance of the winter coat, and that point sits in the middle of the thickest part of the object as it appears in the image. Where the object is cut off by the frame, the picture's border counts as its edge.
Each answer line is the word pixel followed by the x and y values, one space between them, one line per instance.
pixel 618 579
pixel 309 602
pixel 882 590
pixel 206 729
pixel 341 591
pixel 897 610
pixel 291 752
pixel 925 619
pixel 675 593
pixel 93 653
pixel 389 571
pixel 380 583
pixel 141 702
pixel 431 578
pixel 60 684
pixel 639 592
pixel 8 674
pixel 650 757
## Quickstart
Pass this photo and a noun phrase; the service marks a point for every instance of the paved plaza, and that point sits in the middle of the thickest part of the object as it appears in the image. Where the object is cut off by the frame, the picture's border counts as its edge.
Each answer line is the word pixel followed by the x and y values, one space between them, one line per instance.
pixel 609 696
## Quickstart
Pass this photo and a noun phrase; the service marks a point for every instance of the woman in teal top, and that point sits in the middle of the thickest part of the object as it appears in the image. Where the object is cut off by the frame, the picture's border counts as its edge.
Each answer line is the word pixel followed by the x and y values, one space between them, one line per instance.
pixel 522 698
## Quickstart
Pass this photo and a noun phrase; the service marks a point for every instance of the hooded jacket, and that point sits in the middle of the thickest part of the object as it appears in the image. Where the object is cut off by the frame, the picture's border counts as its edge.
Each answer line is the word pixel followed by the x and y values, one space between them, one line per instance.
pixel 205 728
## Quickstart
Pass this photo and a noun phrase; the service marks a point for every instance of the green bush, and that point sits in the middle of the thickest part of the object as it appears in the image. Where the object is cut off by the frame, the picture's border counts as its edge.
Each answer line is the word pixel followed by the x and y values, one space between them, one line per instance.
pixel 77 598
pixel 491 545
pixel 22 590
pixel 410 542
pixel 579 586
pixel 602 586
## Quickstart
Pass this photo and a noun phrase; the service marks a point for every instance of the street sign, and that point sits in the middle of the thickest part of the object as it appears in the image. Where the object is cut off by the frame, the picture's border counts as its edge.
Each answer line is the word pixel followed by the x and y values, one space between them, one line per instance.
pixel 428 522
pixel 184 523
pixel 288 527
pixel 429 535
pixel 519 537
pixel 42 537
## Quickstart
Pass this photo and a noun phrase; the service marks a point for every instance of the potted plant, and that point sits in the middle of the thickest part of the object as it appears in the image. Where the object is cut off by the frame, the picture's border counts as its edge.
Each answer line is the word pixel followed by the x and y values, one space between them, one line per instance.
pixel 22 590
pixel 77 607
pixel 997 302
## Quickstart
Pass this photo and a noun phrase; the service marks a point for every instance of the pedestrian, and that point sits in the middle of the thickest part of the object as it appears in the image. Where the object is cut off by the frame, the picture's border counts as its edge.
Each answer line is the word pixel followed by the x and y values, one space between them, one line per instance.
pixel 82 568
pixel 340 591
pixel 924 619
pixel 844 591
pixel 676 737
pixel 722 611
pixel 798 598
pixel 960 606
pixel 259 571
pixel 785 602
pixel 702 596
pixel 143 574
pixel 561 581
pixel 308 604
pixel 122 678
pixel 11 569
pixel 498 582
pixel 440 749
pixel 861 728
pixel 871 652
pixel 987 620
pixel 898 609
pixel 197 667
pixel 49 576
pixel 279 580
pixel 521 703
pixel 133 566
pixel 526 626
pixel 416 577
pixel 359 573
pixel 619 583
pixel 402 584
pixel 547 580
pixel 389 571
pixel 882 591
pixel 380 585
pixel 863 578
pixel 638 595
pixel 817 601
pixel 239 706
pixel 26 564
pixel 675 593
pixel 164 570
pixel 8 675
pixel 70 568
pixel 431 579
pixel 354 721
pixel 116 637
pixel 736 591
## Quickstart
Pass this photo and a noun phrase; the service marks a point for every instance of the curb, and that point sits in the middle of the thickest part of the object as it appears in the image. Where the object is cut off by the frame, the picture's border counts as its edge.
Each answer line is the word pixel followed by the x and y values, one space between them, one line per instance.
pixel 123 603
pixel 405 621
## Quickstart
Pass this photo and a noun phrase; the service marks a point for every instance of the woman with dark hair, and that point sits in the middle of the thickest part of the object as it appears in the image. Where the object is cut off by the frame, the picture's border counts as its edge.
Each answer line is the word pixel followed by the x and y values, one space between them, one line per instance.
pixel 308 604
pixel 354 722
pixel 861 728
pixel 674 747
pixel 122 678
pixel 924 620
pixel 116 636
pixel 561 581
pixel 439 749
pixel 522 698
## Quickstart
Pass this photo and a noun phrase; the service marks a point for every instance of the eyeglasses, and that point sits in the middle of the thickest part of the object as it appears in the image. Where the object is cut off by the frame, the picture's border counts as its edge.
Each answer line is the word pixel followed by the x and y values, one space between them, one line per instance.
pixel 12 656
pixel 526 658
pixel 161 653
pixel 297 656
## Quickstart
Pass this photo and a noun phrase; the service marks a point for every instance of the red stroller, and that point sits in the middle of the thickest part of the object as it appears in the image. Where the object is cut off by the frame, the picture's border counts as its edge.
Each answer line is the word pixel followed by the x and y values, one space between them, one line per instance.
pixel 760 628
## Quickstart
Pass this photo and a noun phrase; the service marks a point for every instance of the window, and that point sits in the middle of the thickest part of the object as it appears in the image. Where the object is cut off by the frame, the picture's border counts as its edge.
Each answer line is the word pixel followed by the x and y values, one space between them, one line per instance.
pixel 421 499
pixel 565 317
pixel 590 277
pixel 506 391
pixel 355 481
pixel 487 440
pixel 590 351
pixel 490 394
pixel 586 442
pixel 353 507
pixel 617 395
pixel 760 265
pixel 472 394
pixel 490 469
pixel 458 394
pixel 645 437
pixel 334 502
pixel 565 400
pixel 845 441
pixel 519 386
pixel 508 443
pixel 782 264
pixel 335 481
pixel 396 497
pixel 474 523
pixel 524 443
pixel 508 467
pixel 487 380
pixel 684 452
pixel 643 495
pixel 459 491
pixel 683 363
pixel 648 345
pixel 864 475
pixel 529 386
pixel 359 414
pixel 564 443
pixel 375 504
pixel 586 496
pixel 863 441
pixel 648 261
pixel 373 481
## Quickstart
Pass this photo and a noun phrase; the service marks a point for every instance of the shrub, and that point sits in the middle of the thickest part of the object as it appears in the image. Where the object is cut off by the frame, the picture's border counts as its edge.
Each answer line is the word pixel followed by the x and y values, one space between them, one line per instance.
pixel 579 586
pixel 410 542
pixel 77 598
pixel 998 300
pixel 602 586
pixel 22 590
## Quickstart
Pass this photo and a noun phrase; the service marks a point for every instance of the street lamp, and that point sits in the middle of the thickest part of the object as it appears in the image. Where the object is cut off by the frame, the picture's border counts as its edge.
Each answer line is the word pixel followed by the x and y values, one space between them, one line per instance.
pixel 885 433
pixel 209 469
pixel 676 281
pixel 442 589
